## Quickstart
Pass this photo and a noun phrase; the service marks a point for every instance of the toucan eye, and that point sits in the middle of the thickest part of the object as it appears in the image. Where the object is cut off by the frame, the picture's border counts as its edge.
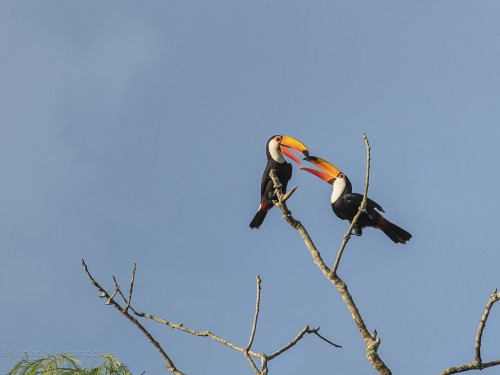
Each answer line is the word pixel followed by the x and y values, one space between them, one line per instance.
pixel 278 139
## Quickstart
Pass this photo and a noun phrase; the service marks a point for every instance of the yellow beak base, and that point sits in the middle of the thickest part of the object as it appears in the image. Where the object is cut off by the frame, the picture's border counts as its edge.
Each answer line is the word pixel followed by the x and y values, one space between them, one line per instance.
pixel 294 144
pixel 325 166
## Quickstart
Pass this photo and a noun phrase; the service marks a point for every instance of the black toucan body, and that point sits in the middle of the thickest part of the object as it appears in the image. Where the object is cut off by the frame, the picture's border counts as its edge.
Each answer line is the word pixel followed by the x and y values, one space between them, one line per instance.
pixel 276 146
pixel 345 203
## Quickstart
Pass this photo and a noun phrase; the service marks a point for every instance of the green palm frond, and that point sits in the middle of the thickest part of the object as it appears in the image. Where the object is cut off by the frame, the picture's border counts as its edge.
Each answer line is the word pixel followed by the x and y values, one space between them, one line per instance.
pixel 64 364
pixel 110 366
pixel 50 365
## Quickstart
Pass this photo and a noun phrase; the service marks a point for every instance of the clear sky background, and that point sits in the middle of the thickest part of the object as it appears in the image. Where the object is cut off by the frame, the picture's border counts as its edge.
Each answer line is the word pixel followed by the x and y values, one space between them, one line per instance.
pixel 136 133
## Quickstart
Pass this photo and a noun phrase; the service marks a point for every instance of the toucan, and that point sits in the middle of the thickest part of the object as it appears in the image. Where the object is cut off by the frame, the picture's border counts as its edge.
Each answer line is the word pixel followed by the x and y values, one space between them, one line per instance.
pixel 345 203
pixel 276 146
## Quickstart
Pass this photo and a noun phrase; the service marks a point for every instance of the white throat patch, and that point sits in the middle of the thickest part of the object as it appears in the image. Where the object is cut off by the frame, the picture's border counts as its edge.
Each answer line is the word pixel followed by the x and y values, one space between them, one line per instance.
pixel 274 151
pixel 339 186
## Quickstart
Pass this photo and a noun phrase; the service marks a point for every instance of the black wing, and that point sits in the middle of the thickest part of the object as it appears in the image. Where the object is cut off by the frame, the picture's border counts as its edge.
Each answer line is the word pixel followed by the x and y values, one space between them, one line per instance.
pixel 283 172
pixel 287 175
pixel 370 204
pixel 265 178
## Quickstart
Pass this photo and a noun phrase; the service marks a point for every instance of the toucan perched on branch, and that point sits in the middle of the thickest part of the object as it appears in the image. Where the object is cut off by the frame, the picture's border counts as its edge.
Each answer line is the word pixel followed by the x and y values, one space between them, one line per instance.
pixel 276 146
pixel 345 203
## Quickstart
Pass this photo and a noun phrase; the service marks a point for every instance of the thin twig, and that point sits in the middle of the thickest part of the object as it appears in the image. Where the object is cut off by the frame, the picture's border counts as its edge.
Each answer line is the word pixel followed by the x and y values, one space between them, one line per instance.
pixel 315 331
pixel 493 298
pixel 469 367
pixel 477 363
pixel 131 289
pixel 299 337
pixel 108 302
pixel 289 194
pixel 181 327
pixel 256 315
pixel 263 364
pixel 294 341
pixel 171 367
pixel 361 208
pixel 254 328
pixel 252 363
pixel 196 333
pixel 246 350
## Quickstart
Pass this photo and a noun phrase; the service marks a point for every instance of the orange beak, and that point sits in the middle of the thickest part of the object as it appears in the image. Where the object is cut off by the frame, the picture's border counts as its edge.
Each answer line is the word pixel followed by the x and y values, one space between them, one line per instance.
pixel 330 172
pixel 288 143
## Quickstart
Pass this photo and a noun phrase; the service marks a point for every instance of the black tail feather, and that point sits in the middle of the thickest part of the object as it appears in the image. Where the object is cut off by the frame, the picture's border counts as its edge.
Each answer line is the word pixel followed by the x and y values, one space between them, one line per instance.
pixel 395 233
pixel 258 219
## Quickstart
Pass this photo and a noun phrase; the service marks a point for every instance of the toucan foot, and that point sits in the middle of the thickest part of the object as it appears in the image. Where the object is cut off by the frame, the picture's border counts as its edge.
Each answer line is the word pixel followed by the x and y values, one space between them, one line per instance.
pixel 357 231
pixel 364 211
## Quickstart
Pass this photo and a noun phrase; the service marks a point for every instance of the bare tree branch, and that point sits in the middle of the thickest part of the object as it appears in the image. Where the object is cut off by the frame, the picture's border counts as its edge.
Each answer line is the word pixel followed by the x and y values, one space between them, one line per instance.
pixel 372 342
pixel 262 356
pixel 254 328
pixel 477 363
pixel 246 350
pixel 193 332
pixel 315 331
pixel 294 341
pixel 361 208
pixel 493 298
pixel 131 289
pixel 256 315
pixel 171 367
pixel 297 338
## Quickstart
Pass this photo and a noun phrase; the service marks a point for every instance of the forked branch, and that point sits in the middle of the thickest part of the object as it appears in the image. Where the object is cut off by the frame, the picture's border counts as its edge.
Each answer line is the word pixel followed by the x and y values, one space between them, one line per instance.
pixel 248 353
pixel 477 363
pixel 254 328
pixel 111 301
pixel 372 342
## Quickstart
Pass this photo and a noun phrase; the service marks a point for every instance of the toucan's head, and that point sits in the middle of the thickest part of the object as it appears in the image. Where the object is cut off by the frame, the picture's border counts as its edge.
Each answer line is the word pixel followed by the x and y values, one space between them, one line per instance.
pixel 330 174
pixel 280 144
pixel 342 184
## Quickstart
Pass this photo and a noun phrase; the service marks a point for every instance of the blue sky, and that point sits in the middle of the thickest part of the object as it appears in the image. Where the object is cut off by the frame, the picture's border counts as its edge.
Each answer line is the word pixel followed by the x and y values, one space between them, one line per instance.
pixel 137 134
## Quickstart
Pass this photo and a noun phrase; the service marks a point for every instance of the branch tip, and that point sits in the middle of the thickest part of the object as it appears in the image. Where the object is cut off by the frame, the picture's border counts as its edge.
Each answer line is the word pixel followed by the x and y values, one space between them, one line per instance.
pixel 361 209
pixel 170 365
pixel 477 363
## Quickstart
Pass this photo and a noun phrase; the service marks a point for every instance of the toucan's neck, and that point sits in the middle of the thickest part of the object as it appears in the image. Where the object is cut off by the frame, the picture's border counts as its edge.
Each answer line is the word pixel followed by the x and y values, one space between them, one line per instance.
pixel 339 186
pixel 274 152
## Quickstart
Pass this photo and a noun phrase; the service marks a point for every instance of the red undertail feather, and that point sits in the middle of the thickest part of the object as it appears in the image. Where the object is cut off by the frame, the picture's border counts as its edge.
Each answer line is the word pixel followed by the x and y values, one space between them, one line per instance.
pixel 259 217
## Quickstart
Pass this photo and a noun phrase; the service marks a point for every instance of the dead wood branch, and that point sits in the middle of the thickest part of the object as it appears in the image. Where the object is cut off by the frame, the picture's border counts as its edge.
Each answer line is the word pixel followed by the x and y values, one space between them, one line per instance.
pixel 361 208
pixel 110 300
pixel 131 289
pixel 477 363
pixel 372 342
pixel 254 328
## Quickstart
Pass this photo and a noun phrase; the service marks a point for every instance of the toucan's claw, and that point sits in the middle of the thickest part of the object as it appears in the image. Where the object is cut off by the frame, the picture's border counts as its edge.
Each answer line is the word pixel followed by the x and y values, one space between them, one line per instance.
pixel 364 211
pixel 357 231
